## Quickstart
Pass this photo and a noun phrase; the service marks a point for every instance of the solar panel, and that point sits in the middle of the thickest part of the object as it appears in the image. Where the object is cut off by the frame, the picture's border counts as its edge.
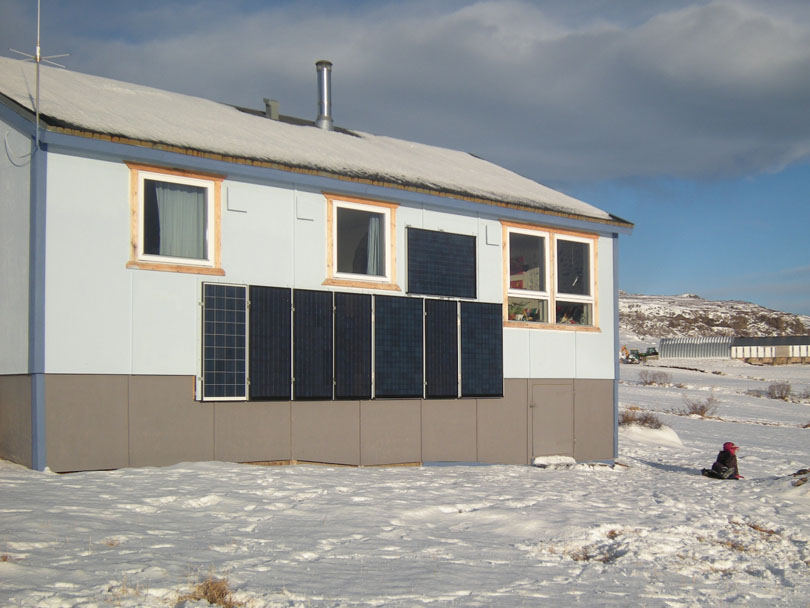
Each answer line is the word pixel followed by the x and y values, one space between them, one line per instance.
pixel 270 343
pixel 441 263
pixel 441 348
pixel 352 346
pixel 224 341
pixel 312 344
pixel 481 350
pixel 398 347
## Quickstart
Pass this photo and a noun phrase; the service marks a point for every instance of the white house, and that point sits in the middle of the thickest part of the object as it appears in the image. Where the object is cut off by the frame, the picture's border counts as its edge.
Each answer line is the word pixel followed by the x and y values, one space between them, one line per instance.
pixel 185 280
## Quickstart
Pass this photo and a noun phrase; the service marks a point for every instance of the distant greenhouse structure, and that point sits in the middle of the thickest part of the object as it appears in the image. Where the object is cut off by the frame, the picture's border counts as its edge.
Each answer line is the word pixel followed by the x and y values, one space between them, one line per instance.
pixel 696 348
pixel 776 350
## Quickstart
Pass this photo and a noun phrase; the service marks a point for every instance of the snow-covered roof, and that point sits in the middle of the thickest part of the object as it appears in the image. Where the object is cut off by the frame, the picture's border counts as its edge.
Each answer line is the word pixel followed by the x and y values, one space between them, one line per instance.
pixel 94 105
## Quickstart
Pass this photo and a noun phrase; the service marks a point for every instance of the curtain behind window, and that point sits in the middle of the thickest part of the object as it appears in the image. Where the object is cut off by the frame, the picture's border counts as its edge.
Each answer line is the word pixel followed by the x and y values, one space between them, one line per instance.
pixel 174 220
pixel 376 261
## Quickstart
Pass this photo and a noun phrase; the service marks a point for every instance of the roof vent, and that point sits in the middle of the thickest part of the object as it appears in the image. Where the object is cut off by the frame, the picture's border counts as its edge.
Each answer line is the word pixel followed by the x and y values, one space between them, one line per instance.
pixel 271 108
pixel 324 69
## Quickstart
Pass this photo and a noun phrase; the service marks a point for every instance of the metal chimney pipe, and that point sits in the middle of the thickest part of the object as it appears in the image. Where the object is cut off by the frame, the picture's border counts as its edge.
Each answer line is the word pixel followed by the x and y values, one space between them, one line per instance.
pixel 324 70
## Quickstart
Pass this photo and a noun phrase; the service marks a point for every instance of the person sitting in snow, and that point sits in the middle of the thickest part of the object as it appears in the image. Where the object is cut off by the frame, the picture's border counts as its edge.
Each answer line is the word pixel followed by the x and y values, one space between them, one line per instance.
pixel 725 467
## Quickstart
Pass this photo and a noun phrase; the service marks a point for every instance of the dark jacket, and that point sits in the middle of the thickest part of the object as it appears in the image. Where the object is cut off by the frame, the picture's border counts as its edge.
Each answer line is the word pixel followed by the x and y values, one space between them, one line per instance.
pixel 726 465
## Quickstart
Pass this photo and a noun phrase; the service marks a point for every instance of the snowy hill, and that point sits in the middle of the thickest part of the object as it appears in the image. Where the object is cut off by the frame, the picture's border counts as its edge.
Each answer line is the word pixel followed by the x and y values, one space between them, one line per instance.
pixel 644 317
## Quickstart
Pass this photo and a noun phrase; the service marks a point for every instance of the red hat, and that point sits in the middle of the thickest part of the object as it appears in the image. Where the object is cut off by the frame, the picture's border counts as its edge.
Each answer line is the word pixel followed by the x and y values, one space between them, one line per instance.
pixel 729 446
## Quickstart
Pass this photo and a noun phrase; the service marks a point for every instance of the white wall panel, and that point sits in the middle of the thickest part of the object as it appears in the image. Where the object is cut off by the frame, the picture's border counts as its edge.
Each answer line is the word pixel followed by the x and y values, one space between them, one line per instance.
pixel 258 224
pixel 594 355
pixel 165 322
pixel 516 353
pixel 15 171
pixel 490 261
pixel 553 354
pixel 87 293
pixel 309 244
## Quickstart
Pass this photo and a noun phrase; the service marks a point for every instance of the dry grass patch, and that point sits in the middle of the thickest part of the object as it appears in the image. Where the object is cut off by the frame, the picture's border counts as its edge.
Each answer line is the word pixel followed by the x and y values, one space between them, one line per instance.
pixel 705 408
pixel 780 390
pixel 215 591
pixel 654 378
pixel 640 418
pixel 762 529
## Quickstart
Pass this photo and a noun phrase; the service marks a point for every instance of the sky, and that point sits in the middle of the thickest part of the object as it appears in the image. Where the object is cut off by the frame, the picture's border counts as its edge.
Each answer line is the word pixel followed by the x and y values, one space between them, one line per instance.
pixel 685 117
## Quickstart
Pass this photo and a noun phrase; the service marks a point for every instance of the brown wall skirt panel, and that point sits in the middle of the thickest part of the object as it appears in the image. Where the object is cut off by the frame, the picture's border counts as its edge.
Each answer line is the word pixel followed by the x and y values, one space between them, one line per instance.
pixel 114 421
pixel 15 419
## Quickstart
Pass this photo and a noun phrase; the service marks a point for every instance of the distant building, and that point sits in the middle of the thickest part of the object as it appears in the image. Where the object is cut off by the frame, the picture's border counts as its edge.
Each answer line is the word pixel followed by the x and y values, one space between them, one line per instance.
pixel 778 350
pixel 182 280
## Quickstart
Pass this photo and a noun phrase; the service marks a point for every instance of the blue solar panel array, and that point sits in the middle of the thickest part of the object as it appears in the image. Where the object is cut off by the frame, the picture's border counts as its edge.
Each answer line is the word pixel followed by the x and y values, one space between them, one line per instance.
pixel 481 350
pixel 328 343
pixel 441 263
pixel 312 344
pixel 224 337
pixel 441 348
pixel 352 346
pixel 270 343
pixel 398 325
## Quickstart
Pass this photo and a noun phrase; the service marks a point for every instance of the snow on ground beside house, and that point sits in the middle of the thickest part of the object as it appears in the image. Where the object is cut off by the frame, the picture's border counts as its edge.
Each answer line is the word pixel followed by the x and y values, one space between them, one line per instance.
pixel 650 531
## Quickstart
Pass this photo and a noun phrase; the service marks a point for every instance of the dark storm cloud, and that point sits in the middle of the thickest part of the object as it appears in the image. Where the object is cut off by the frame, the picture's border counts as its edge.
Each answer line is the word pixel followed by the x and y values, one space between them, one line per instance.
pixel 557 91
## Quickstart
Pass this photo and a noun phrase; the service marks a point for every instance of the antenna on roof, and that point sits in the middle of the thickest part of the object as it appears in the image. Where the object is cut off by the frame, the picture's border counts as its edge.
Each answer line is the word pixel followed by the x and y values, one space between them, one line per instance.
pixel 38 59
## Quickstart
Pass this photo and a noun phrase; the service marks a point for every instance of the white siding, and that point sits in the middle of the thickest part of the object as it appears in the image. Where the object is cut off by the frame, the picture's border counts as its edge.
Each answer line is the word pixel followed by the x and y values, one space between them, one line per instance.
pixel 104 318
pixel 15 171
pixel 165 322
pixel 258 228
pixel 490 261
pixel 87 294
pixel 309 248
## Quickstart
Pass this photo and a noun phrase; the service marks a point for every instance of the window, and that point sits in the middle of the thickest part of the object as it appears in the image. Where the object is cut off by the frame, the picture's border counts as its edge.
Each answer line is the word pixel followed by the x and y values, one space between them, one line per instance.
pixel 175 221
pixel 441 263
pixel 360 243
pixel 528 292
pixel 550 277
pixel 574 305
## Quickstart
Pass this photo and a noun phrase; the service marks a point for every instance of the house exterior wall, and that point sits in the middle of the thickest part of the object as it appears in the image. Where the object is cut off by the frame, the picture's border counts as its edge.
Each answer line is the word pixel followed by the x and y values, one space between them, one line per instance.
pixel 122 345
pixel 121 320
pixel 15 196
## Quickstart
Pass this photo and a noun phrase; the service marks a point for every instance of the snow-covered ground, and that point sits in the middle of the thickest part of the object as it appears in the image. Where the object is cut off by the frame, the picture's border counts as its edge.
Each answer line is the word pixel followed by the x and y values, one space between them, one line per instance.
pixel 649 532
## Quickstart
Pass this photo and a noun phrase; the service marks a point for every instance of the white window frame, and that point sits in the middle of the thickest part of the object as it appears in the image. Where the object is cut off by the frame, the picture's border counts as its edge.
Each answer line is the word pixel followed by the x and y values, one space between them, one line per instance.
pixel 531 294
pixel 385 211
pixel 208 185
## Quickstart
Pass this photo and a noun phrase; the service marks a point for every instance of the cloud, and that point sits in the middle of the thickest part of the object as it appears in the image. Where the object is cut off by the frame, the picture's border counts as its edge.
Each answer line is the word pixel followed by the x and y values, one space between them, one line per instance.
pixel 557 91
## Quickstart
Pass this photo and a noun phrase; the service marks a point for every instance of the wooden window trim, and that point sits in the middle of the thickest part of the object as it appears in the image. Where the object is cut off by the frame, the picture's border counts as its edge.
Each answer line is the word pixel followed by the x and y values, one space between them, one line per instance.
pixel 215 269
pixel 331 262
pixel 553 235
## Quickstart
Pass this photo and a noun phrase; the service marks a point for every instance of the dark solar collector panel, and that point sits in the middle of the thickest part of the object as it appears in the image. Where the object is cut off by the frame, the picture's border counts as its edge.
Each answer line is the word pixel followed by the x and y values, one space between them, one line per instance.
pixel 352 346
pixel 398 347
pixel 441 348
pixel 312 340
pixel 270 343
pixel 481 350
pixel 441 263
